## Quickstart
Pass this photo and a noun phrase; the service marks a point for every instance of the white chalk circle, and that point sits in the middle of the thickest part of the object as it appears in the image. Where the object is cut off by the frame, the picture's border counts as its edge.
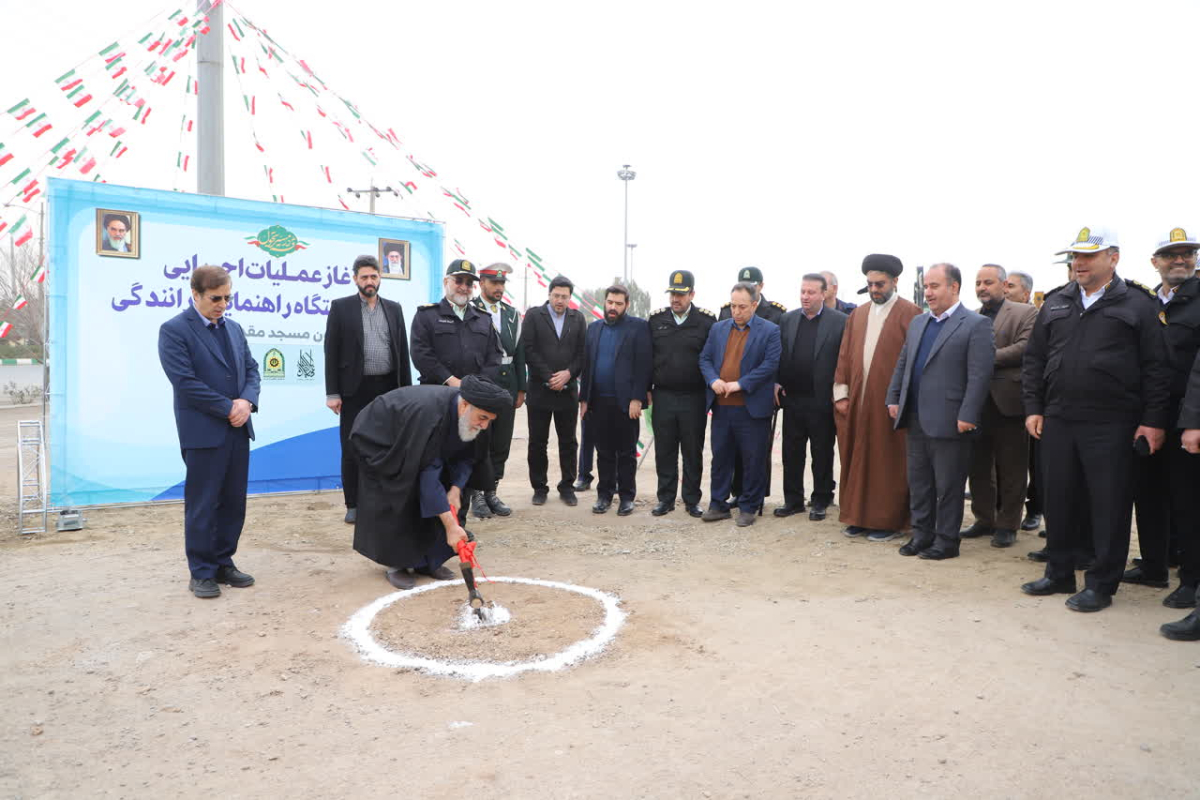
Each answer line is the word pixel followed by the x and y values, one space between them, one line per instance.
pixel 358 631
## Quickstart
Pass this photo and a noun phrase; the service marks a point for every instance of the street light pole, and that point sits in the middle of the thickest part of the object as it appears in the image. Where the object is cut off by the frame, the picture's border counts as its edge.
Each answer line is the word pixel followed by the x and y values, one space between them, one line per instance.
pixel 629 278
pixel 626 175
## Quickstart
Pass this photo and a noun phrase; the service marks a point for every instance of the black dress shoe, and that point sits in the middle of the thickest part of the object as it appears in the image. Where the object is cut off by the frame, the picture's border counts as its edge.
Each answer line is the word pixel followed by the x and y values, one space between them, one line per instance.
pixel 938 552
pixel 569 498
pixel 234 577
pixel 1045 586
pixel 1185 630
pixel 694 510
pixel 787 509
pixel 496 504
pixel 976 530
pixel 1183 597
pixel 1144 577
pixel 625 508
pixel 817 512
pixel 1004 537
pixel 912 547
pixel 601 506
pixel 442 573
pixel 479 506
pixel 662 508
pixel 1089 600
pixel 1041 556
pixel 401 579
pixel 204 587
pixel 539 498
pixel 582 485
pixel 1031 522
pixel 351 516
pixel 745 519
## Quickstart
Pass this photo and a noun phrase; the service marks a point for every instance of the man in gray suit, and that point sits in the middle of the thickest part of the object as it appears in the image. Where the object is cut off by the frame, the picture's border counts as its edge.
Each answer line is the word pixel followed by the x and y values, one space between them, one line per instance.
pixel 938 389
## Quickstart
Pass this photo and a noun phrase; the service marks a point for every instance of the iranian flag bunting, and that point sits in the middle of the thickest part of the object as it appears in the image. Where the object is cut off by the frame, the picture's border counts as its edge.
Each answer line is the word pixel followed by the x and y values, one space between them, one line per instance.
pixel 5 327
pixel 25 237
pixel 64 76
pixel 42 130
pixel 119 73
pixel 4 157
pixel 88 167
pixel 20 303
pixel 21 177
pixel 39 274
pixel 79 103
pixel 68 87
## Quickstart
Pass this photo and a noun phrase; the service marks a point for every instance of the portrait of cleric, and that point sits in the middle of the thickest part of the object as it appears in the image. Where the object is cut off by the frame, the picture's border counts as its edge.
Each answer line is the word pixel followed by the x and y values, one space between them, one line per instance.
pixel 393 259
pixel 117 233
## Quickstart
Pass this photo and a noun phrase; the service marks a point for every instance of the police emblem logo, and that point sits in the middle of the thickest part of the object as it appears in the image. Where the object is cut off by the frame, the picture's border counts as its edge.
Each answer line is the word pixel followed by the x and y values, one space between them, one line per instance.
pixel 1084 235
pixel 1178 235
pixel 745 274
pixel 678 279
pixel 1162 317
pixel 467 266
pixel 273 365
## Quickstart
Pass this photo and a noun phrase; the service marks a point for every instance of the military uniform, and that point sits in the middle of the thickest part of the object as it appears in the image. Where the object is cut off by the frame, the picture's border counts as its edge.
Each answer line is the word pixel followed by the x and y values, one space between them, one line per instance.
pixel 510 374
pixel 767 309
pixel 679 414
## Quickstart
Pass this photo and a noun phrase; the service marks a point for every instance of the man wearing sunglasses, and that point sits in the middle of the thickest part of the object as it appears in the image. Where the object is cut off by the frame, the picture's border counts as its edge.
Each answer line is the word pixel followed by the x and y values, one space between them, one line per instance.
pixel 216 382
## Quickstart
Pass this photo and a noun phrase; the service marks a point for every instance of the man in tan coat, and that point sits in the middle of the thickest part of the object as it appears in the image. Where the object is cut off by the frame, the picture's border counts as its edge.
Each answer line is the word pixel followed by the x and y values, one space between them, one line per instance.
pixel 874 493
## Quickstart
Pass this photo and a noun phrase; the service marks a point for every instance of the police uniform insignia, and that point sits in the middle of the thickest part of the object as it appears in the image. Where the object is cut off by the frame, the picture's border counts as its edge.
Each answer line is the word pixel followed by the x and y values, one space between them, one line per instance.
pixel 1162 317
pixel 1141 286
pixel 678 279
pixel 1084 240
pixel 467 266
pixel 705 311
pixel 428 305
pixel 745 274
pixel 1178 235
pixel 780 306
pixel 658 311
pixel 727 305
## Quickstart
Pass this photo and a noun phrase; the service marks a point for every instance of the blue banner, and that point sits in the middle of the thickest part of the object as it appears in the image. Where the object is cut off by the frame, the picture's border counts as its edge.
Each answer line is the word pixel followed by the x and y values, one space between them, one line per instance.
pixel 120 264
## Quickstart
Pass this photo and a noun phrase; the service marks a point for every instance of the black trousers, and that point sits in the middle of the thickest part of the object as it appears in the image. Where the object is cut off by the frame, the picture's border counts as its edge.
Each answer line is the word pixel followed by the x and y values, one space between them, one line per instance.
pixel 371 387
pixel 501 443
pixel 802 426
pixel 214 502
pixel 680 419
pixel 1164 489
pixel 587 448
pixel 999 469
pixel 539 439
pixel 616 448
pixel 1092 460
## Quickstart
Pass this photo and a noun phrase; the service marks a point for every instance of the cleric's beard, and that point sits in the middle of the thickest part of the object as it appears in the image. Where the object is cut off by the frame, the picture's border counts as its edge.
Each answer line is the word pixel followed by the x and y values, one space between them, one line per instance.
pixel 466 431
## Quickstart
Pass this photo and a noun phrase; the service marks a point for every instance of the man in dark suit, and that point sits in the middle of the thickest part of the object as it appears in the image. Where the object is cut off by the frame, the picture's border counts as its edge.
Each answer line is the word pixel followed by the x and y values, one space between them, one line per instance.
pixel 739 362
pixel 1000 460
pixel 208 362
pixel 1188 628
pixel 510 375
pixel 616 376
pixel 366 355
pixel 810 339
pixel 552 340
pixel 938 389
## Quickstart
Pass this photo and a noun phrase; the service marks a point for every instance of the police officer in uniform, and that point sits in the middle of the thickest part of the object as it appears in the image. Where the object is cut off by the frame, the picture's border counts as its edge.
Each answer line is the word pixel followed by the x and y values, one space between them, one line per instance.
pixel 677 334
pixel 452 339
pixel 511 376
pixel 1096 386
pixel 772 312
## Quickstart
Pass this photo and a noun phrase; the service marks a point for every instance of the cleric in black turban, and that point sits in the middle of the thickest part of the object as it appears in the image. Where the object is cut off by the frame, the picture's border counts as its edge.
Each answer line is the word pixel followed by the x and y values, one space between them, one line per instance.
pixel 881 262
pixel 418 448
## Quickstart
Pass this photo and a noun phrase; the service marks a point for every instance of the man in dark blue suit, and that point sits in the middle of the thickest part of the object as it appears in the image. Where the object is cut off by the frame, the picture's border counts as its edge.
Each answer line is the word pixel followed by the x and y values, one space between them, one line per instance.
pixel 216 382
pixel 739 363
pixel 617 367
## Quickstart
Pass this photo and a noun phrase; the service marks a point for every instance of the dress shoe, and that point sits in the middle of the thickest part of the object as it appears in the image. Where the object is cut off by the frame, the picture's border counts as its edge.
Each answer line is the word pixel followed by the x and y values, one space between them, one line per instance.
pixel 1031 522
pixel 1185 630
pixel 582 485
pixel 1004 537
pixel 442 573
pixel 496 504
pixel 204 587
pixel 662 508
pixel 1144 577
pixel 601 506
pixel 351 516
pixel 1041 556
pixel 539 498
pixel 787 509
pixel 694 510
pixel 939 552
pixel 854 531
pixel 817 512
pixel 1183 597
pixel 976 530
pixel 232 576
pixel 479 506
pixel 913 547
pixel 401 579
pixel 1045 586
pixel 713 514
pixel 745 519
pixel 882 536
pixel 1089 600
pixel 569 498
pixel 624 508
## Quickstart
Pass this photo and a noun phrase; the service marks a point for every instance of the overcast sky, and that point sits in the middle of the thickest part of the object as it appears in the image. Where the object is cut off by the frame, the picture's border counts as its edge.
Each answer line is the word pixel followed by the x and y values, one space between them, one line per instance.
pixel 794 137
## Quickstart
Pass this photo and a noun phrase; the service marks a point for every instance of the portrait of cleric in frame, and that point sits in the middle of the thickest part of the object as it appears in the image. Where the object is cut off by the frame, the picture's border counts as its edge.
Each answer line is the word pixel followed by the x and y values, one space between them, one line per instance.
pixel 118 233
pixel 393 258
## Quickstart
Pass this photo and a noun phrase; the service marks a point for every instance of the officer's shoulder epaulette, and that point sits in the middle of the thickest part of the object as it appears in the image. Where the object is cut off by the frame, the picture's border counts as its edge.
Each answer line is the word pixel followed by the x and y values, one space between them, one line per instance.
pixel 1141 286
pixel 658 311
pixel 727 305
pixel 780 306
pixel 1056 289
pixel 428 305
pixel 705 312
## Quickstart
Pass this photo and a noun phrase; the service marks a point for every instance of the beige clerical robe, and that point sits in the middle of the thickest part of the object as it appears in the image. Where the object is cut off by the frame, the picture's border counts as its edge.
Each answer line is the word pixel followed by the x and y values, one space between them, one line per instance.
pixel 874 487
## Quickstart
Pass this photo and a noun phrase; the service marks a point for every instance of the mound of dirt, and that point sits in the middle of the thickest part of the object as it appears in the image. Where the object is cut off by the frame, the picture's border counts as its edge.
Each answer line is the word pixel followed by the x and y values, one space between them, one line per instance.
pixel 544 621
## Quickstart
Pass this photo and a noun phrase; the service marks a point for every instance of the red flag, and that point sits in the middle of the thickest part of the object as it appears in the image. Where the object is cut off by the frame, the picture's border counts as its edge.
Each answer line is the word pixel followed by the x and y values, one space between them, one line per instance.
pixel 68 87
pixel 5 158
pixel 25 237
pixel 86 168
pixel 79 103
pixel 30 196
pixel 26 113
pixel 119 73
pixel 42 130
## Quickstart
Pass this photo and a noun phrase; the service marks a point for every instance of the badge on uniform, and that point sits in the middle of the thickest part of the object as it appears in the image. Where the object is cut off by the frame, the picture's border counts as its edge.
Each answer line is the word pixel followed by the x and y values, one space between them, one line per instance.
pixel 1162 317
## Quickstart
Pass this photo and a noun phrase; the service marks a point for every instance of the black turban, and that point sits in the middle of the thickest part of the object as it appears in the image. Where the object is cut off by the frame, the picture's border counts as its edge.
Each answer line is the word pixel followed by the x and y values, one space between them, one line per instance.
pixel 877 262
pixel 484 393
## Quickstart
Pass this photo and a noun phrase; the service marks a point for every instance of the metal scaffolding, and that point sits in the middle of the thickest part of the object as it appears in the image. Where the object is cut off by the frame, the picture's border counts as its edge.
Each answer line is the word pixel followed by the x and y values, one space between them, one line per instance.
pixel 31 468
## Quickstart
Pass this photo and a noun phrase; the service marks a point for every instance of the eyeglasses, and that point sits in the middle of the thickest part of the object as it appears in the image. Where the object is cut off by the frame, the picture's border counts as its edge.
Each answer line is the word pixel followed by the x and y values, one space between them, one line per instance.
pixel 877 284
pixel 1171 255
pixel 220 298
pixel 461 279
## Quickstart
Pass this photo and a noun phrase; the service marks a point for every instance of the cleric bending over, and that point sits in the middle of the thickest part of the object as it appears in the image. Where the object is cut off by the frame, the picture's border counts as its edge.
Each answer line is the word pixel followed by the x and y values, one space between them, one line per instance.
pixel 416 449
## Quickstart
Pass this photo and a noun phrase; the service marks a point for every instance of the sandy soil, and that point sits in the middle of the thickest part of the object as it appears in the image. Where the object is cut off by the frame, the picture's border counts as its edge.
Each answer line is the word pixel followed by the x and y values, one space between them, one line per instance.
pixel 783 660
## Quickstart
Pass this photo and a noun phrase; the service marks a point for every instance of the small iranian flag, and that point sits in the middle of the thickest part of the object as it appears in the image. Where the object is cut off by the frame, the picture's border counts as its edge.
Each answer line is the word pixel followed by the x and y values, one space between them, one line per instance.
pixel 39 274
pixel 25 237
pixel 20 303
pixel 5 327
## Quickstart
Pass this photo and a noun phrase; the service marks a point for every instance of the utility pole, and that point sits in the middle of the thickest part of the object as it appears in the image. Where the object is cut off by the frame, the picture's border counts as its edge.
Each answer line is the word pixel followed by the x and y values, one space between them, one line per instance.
pixel 374 192
pixel 626 175
pixel 210 105
pixel 629 278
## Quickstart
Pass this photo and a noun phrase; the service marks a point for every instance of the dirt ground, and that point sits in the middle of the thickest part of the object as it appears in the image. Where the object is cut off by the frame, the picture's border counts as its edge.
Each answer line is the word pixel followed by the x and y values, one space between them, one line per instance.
pixel 782 660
